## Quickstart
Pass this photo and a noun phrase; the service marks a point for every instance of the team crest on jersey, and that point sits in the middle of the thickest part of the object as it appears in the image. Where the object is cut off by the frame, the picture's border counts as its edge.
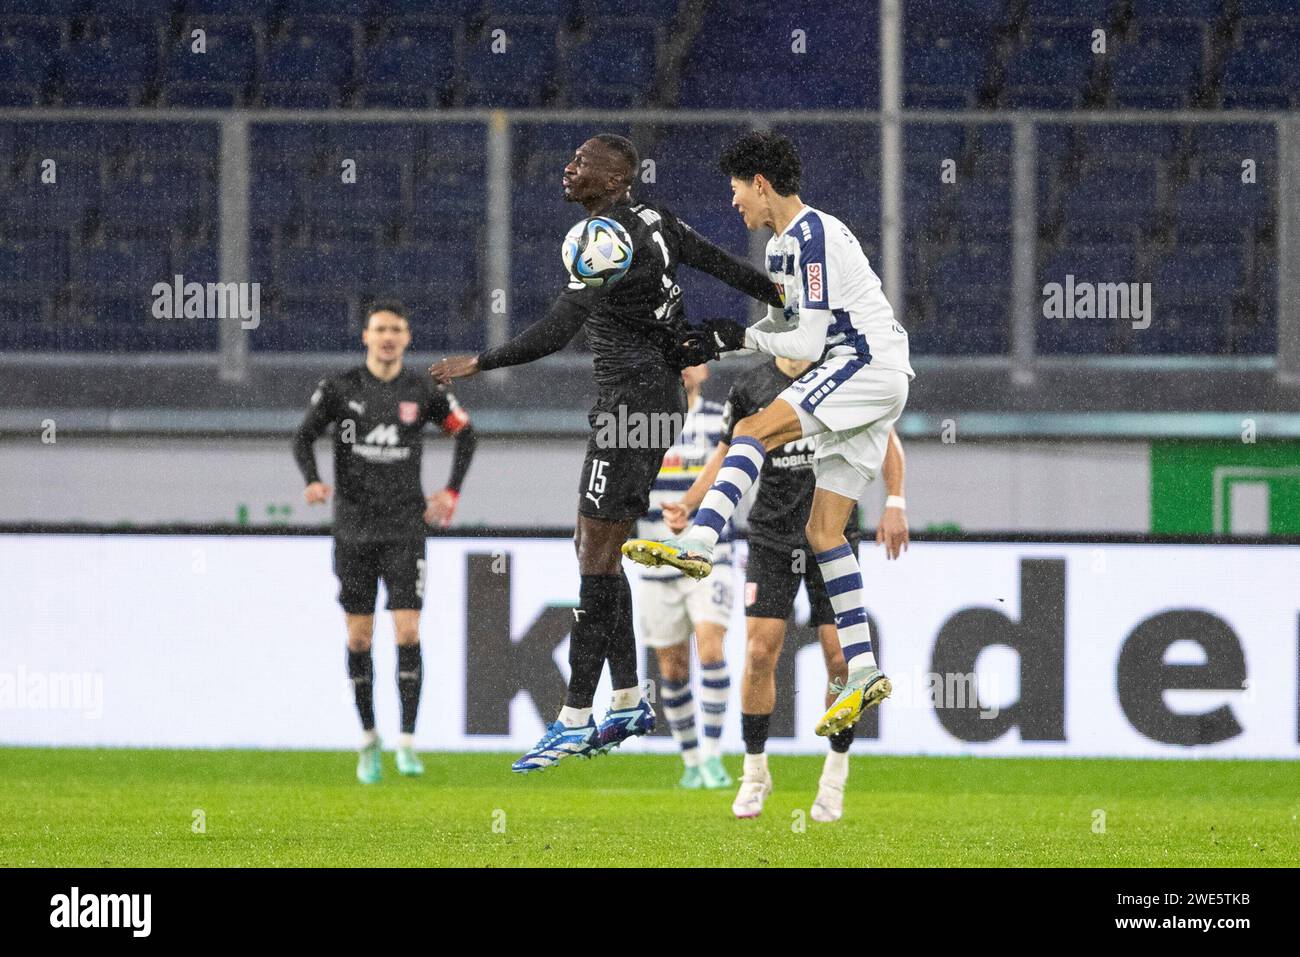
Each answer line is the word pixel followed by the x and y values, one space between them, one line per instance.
pixel 408 412
pixel 816 287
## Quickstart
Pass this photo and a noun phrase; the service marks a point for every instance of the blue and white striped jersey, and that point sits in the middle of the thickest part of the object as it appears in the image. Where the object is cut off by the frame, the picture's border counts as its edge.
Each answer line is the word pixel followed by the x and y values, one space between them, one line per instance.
pixel 682 464
pixel 825 279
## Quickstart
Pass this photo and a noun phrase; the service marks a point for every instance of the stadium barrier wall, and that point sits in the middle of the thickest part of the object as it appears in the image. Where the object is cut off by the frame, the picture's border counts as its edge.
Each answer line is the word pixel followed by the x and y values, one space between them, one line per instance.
pixel 1017 649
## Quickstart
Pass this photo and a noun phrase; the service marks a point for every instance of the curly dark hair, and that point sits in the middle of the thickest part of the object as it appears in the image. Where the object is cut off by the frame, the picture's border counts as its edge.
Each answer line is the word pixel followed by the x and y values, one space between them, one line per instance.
pixel 768 153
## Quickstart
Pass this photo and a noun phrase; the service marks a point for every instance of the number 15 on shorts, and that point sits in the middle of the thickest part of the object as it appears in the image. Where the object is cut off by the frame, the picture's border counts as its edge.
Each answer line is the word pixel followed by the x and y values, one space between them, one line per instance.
pixel 596 481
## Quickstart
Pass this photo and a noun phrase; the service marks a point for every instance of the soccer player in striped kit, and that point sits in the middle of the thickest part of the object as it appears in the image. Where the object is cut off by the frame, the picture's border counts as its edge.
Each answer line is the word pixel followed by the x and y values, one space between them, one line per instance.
pixel 779 562
pixel 835 314
pixel 671 605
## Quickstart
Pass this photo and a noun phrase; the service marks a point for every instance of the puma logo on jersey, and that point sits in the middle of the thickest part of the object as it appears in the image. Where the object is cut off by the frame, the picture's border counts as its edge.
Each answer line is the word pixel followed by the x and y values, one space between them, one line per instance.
pixel 578 613
pixel 385 434
pixel 595 498
pixel 358 407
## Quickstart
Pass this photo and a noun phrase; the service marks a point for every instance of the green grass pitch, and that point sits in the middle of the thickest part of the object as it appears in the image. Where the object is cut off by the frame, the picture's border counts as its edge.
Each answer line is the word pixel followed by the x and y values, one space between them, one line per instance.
pixel 64 807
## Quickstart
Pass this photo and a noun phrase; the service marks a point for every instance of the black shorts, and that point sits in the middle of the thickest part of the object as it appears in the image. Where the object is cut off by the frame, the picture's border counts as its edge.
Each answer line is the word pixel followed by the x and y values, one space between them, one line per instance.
pixel 360 565
pixel 632 427
pixel 771 584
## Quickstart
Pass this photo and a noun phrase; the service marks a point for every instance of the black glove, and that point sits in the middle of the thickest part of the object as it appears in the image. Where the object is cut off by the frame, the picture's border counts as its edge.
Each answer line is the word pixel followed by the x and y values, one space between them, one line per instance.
pixel 727 335
pixel 692 347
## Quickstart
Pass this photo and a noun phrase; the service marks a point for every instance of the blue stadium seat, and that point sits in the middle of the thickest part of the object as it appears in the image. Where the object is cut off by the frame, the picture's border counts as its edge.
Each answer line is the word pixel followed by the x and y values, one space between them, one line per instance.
pixel 1160 70
pixel 1265 8
pixel 662 11
pixel 322 265
pixel 413 63
pixel 1052 69
pixel 1261 71
pixel 27 50
pixel 1203 10
pixel 315 50
pixel 534 8
pixel 522 75
pixel 977 267
pixel 1097 12
pixel 1186 324
pixel 838 70
pixel 158 192
pixel 41 261
pixel 306 322
pixel 1112 196
pixel 943 71
pixel 974 17
pixel 613 66
pixel 983 208
pixel 374 199
pixel 138 265
pixel 1218 201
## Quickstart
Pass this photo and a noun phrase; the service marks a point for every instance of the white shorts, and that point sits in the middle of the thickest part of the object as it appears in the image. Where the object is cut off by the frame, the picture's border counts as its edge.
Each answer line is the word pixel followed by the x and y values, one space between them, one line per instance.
pixel 852 407
pixel 669 608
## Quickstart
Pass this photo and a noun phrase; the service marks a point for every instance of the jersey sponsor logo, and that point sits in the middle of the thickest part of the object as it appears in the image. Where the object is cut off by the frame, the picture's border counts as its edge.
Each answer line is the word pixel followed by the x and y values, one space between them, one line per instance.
pixel 751 593
pixel 383 434
pixel 408 412
pixel 816 287
pixel 381 445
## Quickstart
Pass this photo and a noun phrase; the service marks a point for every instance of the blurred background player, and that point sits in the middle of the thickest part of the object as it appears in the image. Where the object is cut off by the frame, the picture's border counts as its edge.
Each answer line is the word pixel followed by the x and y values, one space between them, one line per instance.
pixel 671 604
pixel 640 342
pixel 836 316
pixel 779 559
pixel 378 411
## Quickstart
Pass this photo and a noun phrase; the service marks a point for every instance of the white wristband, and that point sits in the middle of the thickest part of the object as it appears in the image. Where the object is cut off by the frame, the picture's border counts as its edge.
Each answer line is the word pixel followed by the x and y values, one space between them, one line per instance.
pixel 896 501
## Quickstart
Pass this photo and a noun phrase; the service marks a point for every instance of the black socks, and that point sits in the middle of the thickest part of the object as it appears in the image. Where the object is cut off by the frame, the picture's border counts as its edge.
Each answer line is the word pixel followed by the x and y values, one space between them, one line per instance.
pixel 595 618
pixel 754 729
pixel 361 671
pixel 621 648
pixel 410 677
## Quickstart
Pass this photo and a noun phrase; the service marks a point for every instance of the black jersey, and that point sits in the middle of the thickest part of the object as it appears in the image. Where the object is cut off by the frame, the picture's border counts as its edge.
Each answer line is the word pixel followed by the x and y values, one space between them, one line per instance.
pixel 378 443
pixel 785 485
pixel 630 322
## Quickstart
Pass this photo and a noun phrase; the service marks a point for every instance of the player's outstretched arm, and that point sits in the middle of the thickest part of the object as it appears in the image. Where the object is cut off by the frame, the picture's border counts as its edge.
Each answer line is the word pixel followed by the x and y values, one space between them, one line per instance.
pixel 892 531
pixel 698 253
pixel 537 341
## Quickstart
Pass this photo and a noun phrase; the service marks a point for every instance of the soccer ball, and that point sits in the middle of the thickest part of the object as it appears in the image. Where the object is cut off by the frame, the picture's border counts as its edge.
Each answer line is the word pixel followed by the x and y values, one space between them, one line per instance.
pixel 597 251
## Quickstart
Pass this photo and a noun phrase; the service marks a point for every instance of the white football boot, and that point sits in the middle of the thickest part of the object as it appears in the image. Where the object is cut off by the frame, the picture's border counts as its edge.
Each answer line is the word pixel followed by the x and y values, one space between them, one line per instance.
pixel 755 786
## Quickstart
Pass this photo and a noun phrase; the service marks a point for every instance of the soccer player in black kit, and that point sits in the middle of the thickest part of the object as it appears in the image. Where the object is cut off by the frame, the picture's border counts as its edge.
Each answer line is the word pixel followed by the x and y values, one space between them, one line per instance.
pixel 378 411
pixel 779 559
pixel 640 342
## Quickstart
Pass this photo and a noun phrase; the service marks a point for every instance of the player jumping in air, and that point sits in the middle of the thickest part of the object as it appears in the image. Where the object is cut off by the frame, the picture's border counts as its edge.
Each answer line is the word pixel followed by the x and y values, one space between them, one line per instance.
pixel 640 343
pixel 378 411
pixel 779 558
pixel 670 605
pixel 836 316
